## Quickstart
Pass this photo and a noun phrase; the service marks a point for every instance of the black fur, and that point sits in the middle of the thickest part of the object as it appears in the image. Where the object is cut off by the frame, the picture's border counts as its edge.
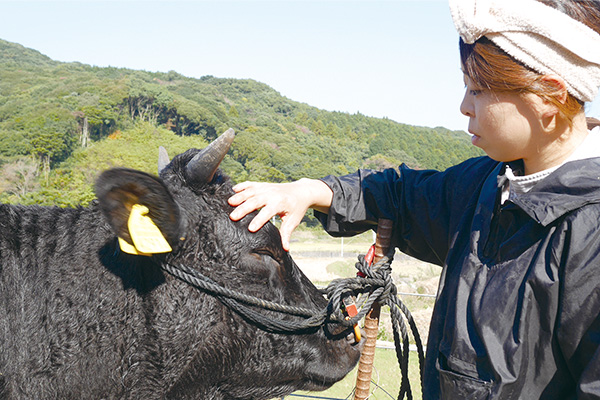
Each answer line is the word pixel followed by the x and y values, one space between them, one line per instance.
pixel 79 319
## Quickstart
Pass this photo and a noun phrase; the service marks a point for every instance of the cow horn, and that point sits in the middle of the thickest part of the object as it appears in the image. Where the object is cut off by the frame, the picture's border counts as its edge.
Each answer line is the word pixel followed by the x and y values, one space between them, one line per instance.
pixel 163 159
pixel 203 166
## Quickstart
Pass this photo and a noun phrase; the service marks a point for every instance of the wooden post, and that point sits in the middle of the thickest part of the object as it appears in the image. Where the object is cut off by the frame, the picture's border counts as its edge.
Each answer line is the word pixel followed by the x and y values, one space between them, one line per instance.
pixel 365 365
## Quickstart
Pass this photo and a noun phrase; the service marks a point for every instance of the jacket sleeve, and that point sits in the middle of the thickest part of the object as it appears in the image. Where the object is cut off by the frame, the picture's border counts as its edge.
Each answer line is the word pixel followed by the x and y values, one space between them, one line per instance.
pixel 579 306
pixel 425 205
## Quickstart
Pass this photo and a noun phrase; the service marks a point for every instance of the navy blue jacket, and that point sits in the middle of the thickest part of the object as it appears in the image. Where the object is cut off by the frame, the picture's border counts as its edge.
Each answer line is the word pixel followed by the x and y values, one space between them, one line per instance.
pixel 517 314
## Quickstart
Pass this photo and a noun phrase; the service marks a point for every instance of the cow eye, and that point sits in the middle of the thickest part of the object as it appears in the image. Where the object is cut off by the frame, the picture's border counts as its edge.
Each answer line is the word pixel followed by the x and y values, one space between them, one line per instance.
pixel 268 253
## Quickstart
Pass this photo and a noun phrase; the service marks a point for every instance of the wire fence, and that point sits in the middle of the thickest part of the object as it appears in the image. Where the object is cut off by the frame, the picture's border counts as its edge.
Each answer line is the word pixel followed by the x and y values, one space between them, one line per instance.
pixel 351 395
pixel 432 296
pixel 309 397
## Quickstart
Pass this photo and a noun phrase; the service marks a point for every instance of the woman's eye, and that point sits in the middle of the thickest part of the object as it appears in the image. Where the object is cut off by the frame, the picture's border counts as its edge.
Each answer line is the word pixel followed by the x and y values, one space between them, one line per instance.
pixel 474 92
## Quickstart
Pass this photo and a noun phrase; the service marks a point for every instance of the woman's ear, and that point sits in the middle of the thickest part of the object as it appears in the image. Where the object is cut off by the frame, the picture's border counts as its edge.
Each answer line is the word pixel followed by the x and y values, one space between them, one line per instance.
pixel 548 105
pixel 560 87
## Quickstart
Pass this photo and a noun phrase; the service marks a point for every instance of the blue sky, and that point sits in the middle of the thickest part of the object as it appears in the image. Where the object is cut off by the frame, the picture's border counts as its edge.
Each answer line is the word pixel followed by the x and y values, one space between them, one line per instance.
pixel 395 59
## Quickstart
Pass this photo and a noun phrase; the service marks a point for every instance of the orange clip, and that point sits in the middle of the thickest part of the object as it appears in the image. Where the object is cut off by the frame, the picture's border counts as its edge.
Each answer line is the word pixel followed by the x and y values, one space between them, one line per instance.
pixel 351 310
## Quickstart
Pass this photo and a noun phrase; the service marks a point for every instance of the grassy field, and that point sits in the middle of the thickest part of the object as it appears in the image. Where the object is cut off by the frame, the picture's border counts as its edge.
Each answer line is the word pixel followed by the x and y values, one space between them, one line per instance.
pixel 337 256
pixel 385 380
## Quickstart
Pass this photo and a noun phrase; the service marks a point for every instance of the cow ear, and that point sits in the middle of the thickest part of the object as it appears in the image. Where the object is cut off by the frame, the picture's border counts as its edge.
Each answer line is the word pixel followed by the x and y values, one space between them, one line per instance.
pixel 140 210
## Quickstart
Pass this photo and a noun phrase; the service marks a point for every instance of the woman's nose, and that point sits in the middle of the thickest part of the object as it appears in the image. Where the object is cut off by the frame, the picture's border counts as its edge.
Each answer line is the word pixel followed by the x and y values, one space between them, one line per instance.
pixel 466 106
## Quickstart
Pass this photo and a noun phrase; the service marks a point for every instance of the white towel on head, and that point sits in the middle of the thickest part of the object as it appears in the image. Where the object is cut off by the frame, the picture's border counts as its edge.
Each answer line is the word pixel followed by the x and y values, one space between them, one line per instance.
pixel 541 37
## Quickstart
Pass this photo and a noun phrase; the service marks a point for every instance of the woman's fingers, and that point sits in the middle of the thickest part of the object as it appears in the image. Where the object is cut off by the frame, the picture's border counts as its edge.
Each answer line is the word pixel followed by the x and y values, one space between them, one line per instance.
pixel 263 216
pixel 245 200
pixel 290 201
pixel 243 186
pixel 288 225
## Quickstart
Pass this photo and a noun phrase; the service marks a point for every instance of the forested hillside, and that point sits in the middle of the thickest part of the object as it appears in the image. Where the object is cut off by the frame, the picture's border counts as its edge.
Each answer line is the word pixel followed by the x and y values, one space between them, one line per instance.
pixel 62 123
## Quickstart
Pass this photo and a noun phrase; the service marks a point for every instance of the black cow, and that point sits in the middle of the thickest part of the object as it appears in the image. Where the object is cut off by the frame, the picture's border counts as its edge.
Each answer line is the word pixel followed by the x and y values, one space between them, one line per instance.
pixel 82 319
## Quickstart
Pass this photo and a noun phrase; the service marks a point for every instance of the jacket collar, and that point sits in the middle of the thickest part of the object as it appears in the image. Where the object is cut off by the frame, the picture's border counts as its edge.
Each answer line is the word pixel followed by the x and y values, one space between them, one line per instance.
pixel 571 186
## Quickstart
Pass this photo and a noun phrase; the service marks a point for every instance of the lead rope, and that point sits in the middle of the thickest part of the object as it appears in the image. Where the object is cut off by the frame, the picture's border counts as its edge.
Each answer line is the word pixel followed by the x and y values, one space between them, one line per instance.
pixel 400 314
pixel 377 285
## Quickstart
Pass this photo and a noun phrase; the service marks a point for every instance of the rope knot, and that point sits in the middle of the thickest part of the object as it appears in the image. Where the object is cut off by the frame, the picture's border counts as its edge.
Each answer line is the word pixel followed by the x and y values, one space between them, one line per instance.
pixel 381 272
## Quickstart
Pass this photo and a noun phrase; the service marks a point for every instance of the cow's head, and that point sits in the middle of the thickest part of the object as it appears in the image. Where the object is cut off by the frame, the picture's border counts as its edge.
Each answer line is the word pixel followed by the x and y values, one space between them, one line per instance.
pixel 207 347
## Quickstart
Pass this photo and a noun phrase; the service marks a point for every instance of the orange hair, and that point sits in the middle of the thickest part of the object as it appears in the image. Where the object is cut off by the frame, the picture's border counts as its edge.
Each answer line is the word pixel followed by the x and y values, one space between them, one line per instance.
pixel 490 67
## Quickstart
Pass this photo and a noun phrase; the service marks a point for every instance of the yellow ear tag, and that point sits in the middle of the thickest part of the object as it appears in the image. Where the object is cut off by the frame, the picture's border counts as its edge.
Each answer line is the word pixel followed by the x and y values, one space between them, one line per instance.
pixel 146 236
pixel 127 248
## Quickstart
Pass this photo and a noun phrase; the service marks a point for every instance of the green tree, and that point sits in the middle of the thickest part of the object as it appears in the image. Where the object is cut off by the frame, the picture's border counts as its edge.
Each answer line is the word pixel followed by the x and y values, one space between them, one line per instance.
pixel 52 138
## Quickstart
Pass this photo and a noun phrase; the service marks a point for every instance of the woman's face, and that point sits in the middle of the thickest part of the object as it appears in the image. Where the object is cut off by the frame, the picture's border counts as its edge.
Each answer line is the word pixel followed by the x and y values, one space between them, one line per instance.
pixel 502 124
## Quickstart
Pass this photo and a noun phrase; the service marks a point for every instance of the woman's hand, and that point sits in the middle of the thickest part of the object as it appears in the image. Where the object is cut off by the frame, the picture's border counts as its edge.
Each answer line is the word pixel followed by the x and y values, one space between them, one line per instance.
pixel 289 201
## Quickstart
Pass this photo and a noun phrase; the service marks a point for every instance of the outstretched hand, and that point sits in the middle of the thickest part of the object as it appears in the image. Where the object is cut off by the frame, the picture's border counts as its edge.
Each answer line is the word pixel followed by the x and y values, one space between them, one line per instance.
pixel 289 201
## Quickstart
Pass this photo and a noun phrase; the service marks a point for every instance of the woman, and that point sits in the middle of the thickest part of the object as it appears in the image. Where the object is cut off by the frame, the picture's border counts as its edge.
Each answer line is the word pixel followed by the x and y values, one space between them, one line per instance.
pixel 517 314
